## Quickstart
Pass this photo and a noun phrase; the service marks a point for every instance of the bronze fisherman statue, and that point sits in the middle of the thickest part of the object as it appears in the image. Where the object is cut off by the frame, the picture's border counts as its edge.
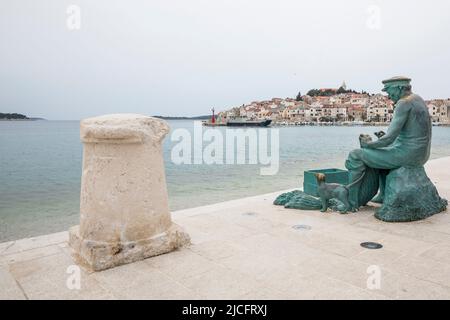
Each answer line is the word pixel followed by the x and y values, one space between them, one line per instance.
pixel 391 166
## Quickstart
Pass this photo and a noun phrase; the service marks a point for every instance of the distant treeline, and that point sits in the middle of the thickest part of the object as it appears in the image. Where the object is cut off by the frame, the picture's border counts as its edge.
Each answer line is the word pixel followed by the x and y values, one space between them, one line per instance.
pixel 183 118
pixel 331 92
pixel 13 116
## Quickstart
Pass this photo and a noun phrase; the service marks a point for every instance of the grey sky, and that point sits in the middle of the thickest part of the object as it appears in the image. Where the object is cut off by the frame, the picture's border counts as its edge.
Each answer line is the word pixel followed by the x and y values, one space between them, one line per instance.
pixel 183 57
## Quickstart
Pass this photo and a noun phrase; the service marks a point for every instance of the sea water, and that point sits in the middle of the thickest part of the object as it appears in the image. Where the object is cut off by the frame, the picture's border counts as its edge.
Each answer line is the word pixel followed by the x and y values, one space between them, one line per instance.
pixel 40 170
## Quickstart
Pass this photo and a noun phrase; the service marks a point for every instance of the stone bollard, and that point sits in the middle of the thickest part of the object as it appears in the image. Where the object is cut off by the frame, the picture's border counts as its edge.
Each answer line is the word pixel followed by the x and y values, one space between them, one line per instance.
pixel 124 211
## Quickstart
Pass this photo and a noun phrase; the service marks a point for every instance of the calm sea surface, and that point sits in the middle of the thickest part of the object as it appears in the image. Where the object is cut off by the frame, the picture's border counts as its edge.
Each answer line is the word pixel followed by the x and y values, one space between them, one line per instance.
pixel 40 170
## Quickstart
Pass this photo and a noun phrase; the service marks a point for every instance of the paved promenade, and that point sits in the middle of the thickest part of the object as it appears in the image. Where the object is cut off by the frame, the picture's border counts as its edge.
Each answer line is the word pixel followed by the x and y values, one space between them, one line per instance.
pixel 251 249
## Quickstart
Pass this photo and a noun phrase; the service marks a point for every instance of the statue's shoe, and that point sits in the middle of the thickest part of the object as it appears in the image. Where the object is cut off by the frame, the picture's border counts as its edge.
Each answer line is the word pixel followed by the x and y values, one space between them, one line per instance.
pixel 379 198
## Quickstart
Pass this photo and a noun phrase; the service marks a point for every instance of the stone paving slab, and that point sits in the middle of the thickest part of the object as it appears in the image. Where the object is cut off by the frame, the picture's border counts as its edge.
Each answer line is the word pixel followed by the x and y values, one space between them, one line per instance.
pixel 250 249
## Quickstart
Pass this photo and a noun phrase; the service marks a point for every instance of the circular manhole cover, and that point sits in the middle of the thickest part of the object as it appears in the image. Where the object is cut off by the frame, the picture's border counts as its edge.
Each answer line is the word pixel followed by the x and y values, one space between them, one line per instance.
pixel 301 227
pixel 371 245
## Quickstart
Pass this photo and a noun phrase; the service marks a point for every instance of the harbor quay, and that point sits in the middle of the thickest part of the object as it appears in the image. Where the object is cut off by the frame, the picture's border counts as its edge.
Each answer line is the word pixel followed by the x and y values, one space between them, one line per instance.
pixel 250 249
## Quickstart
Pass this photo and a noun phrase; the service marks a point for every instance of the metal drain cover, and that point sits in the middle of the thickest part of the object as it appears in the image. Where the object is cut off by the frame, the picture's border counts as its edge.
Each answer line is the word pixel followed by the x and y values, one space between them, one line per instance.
pixel 301 227
pixel 371 245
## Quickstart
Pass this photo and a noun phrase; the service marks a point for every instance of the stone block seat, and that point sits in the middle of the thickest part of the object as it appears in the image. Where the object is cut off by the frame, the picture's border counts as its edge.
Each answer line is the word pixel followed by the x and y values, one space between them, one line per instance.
pixel 409 195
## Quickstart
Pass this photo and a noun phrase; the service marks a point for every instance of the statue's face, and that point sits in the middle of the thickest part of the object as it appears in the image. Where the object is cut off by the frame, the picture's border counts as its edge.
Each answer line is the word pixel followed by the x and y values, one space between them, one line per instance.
pixel 394 93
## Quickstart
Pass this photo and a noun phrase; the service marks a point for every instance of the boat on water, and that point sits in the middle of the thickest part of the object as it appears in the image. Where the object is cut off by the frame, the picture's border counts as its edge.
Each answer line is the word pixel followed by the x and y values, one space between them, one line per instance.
pixel 249 123
pixel 239 123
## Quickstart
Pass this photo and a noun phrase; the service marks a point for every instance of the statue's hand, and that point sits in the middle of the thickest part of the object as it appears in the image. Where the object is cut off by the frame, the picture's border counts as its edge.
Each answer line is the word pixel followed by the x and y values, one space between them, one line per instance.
pixel 364 140
pixel 365 144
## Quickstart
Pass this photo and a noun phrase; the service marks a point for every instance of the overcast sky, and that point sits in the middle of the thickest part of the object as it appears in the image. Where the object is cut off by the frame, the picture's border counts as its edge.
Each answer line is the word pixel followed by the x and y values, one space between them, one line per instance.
pixel 173 57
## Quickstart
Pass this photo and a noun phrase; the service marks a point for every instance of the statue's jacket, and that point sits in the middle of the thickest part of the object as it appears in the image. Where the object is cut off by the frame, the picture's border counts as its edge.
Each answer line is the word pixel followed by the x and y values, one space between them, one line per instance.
pixel 408 140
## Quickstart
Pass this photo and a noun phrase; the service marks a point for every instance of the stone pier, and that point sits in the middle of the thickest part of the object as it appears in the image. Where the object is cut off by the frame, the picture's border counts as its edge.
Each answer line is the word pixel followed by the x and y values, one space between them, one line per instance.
pixel 124 211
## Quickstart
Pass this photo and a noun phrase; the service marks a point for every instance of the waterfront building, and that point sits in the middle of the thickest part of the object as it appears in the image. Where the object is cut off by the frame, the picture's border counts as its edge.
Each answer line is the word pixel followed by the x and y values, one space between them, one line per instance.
pixel 379 113
pixel 313 114
pixel 439 110
pixel 356 113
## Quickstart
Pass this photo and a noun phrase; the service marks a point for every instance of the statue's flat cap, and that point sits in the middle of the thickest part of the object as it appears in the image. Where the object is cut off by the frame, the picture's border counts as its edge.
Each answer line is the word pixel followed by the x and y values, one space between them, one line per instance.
pixel 396 81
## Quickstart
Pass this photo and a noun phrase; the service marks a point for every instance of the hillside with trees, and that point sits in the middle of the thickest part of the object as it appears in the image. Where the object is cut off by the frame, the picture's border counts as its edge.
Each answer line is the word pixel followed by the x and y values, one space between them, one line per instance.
pixel 331 92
